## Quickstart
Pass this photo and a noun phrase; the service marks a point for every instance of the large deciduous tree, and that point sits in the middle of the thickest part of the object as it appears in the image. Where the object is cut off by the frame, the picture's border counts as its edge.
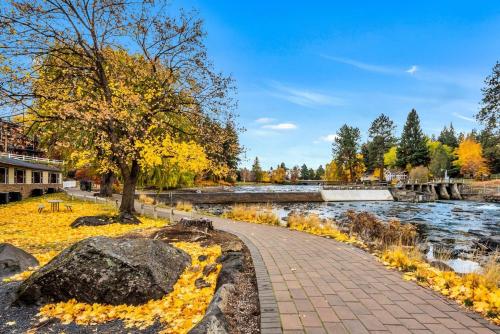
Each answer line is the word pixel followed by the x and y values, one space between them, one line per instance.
pixel 441 158
pixel 381 133
pixel 345 152
pixel 412 149
pixel 111 77
pixel 470 158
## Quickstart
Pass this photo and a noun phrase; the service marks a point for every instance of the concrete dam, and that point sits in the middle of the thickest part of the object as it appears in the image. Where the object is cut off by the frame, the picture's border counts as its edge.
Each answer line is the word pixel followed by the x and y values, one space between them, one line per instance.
pixel 431 191
pixel 423 192
pixel 323 195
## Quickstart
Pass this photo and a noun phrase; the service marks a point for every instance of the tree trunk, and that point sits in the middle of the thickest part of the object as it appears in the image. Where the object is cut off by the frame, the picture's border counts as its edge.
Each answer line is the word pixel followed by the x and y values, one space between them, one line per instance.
pixel 381 176
pixel 107 180
pixel 130 177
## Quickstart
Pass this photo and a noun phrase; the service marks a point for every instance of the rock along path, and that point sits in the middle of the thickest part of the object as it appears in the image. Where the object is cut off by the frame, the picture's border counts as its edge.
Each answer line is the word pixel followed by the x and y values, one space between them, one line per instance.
pixel 320 285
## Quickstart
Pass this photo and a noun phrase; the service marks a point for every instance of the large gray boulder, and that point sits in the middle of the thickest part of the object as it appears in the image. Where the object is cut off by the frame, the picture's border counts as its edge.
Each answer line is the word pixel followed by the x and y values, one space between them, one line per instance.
pixel 107 270
pixel 14 260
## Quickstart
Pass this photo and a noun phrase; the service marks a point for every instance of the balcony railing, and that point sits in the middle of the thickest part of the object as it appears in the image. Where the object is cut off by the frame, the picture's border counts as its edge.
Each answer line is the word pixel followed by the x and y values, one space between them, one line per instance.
pixel 31 158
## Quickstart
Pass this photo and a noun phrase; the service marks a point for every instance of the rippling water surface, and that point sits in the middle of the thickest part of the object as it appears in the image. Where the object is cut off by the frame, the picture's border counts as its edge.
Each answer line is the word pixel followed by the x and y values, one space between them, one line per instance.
pixel 457 225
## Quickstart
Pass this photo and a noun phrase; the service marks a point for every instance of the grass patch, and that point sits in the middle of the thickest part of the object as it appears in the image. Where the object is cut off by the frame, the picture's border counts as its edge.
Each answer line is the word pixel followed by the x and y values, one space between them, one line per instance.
pixel 315 225
pixel 145 199
pixel 368 228
pixel 184 206
pixel 253 214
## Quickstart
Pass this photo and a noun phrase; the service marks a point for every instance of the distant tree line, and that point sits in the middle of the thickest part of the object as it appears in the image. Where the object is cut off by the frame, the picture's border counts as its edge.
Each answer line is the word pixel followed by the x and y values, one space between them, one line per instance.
pixel 475 154
pixel 280 174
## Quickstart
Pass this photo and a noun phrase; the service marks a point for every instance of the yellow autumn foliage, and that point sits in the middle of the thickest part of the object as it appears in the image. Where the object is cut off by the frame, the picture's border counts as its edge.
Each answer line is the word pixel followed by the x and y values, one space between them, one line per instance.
pixel 470 158
pixel 479 291
pixel 45 234
pixel 178 311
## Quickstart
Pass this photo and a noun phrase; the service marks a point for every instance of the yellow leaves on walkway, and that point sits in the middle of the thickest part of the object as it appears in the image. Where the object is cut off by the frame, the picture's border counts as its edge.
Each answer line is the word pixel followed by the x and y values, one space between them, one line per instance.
pixel 179 311
pixel 45 234
pixel 475 290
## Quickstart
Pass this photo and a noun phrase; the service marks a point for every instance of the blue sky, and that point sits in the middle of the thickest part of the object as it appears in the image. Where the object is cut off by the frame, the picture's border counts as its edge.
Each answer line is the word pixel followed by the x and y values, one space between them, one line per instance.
pixel 303 69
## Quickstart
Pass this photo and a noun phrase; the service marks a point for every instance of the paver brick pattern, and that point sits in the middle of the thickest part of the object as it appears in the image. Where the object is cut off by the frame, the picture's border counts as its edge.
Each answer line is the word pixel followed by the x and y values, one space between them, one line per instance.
pixel 323 286
pixel 319 285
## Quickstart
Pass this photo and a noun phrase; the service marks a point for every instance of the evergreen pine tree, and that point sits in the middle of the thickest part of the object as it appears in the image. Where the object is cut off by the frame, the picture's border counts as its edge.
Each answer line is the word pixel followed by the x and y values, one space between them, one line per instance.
pixel 312 174
pixel 304 172
pixel 412 149
pixel 320 173
pixel 382 139
pixel 257 170
pixel 345 152
pixel 489 117
pixel 448 137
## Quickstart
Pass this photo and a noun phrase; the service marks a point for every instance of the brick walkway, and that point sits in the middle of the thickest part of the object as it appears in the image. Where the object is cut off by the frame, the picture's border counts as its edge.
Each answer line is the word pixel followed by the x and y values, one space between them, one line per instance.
pixel 323 286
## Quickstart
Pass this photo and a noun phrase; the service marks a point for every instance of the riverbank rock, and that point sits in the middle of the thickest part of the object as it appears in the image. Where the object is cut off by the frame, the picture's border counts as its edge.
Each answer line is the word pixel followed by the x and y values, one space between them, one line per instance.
pixel 202 224
pixel 441 265
pixel 14 260
pixel 92 221
pixel 232 264
pixel 106 270
pixel 491 242
pixel 214 320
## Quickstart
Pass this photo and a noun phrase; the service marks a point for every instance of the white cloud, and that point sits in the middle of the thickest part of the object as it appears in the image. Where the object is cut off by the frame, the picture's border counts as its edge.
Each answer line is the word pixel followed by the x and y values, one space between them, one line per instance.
pixel 264 120
pixel 371 67
pixel 412 70
pixel 304 97
pixel 470 119
pixel 361 65
pixel 280 126
pixel 330 138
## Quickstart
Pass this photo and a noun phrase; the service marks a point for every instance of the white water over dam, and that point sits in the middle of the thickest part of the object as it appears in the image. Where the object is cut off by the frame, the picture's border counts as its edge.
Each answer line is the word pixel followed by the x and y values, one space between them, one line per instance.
pixel 342 195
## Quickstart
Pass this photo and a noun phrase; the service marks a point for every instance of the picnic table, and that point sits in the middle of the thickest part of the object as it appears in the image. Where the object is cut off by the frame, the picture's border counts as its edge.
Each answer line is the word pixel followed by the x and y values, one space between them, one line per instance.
pixel 54 204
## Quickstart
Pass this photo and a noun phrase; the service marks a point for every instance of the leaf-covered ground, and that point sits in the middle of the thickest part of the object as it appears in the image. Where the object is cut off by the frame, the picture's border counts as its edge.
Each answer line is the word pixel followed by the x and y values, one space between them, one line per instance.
pixel 45 234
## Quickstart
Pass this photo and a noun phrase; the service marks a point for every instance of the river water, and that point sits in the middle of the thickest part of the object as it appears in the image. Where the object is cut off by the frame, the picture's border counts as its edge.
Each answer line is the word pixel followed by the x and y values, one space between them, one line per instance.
pixel 453 225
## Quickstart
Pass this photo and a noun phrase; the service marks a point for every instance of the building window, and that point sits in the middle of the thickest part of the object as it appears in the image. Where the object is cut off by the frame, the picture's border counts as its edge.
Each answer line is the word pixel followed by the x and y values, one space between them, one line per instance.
pixel 36 177
pixel 53 177
pixel 4 175
pixel 19 175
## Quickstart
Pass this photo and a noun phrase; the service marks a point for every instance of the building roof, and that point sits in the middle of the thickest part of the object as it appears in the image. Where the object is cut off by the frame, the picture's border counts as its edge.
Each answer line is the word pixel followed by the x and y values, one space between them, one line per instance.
pixel 25 164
